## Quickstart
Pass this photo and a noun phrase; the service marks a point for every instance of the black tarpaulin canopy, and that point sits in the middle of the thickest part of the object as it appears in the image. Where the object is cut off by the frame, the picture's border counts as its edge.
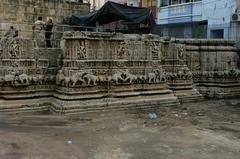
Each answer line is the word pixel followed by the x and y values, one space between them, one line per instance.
pixel 110 12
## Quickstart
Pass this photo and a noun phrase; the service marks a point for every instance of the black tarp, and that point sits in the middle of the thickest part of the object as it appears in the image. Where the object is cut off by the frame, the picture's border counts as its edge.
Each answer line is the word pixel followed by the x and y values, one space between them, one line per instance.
pixel 112 11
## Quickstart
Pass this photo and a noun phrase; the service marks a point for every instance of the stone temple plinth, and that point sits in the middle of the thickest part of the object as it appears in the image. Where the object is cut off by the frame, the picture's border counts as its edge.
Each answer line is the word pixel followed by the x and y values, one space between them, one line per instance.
pixel 111 71
pixel 96 71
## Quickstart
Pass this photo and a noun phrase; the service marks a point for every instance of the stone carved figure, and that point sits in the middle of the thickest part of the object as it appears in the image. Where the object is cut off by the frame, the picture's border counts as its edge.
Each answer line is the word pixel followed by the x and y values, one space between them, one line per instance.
pixel 24 78
pixel 66 81
pixel 155 51
pixel 60 77
pixel 161 75
pixel 50 78
pixel 188 74
pixel 168 75
pixel 117 77
pixel 10 78
pixel 156 76
pixel 14 48
pixel 34 80
pixel 40 79
pixel 152 77
pixel 180 73
pixel 91 79
pixel 225 73
pixel 184 73
pixel 77 77
pixel 102 79
pixel 205 73
pixel 130 78
pixel 181 50
pixel 81 52
pixel 142 78
pixel 10 47
pixel 171 75
pixel 234 72
pixel 122 50
pixel 210 74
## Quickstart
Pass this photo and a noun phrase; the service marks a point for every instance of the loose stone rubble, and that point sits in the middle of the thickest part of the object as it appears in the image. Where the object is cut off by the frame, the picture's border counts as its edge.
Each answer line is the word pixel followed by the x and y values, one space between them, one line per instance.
pixel 97 71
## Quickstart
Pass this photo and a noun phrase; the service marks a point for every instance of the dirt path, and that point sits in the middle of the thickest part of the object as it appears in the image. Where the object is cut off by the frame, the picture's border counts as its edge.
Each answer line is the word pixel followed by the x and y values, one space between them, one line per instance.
pixel 206 130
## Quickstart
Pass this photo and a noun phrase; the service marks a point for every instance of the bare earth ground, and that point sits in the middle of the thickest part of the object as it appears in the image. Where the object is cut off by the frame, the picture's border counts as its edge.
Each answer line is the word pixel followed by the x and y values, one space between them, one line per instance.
pixel 206 130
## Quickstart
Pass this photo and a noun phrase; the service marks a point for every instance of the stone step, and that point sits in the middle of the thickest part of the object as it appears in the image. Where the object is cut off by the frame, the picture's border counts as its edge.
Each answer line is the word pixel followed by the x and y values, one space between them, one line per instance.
pixel 24 110
pixel 79 109
pixel 115 109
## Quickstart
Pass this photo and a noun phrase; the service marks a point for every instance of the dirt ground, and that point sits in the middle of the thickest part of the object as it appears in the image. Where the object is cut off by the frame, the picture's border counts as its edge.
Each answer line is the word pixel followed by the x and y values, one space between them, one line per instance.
pixel 205 130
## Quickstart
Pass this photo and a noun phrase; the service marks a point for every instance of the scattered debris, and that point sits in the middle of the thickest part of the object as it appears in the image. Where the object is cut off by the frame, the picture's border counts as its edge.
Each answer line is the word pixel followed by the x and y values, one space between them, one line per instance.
pixel 152 116
pixel 69 142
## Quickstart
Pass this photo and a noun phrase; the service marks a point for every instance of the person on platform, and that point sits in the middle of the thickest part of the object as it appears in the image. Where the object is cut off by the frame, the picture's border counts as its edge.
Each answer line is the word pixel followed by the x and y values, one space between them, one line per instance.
pixel 38 32
pixel 48 32
pixel 12 32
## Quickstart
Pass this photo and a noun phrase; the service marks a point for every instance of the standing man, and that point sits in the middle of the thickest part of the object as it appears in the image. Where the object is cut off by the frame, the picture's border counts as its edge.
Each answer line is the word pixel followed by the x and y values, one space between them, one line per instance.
pixel 48 32
pixel 38 29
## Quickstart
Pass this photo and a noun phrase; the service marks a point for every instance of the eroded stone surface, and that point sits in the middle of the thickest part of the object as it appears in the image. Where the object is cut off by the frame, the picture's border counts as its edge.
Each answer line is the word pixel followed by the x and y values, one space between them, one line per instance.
pixel 102 71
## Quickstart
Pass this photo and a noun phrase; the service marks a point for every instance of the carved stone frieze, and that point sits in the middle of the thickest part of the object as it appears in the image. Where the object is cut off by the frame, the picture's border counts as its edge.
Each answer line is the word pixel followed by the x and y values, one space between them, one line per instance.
pixel 99 70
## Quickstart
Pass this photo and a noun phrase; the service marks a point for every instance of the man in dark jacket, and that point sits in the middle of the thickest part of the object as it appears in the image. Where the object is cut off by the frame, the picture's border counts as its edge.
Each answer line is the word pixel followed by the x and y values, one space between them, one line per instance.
pixel 48 32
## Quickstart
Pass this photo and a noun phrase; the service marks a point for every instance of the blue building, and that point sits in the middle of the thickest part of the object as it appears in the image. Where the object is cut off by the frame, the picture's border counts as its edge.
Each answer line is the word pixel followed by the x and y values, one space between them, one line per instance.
pixel 199 18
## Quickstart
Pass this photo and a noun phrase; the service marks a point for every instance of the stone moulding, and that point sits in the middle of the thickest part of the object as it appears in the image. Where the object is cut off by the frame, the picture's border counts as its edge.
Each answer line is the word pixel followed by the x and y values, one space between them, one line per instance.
pixel 111 71
pixel 104 71
pixel 213 64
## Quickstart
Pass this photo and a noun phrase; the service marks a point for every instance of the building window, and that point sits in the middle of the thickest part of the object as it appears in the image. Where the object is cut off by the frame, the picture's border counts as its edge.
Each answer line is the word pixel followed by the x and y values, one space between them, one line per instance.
pixel 217 34
pixel 164 3
pixel 174 2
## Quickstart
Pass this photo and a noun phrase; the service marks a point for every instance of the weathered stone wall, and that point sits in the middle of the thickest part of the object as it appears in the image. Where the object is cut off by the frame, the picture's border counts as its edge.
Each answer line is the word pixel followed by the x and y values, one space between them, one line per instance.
pixel 214 66
pixel 23 13
pixel 210 55
pixel 102 71
pixel 111 71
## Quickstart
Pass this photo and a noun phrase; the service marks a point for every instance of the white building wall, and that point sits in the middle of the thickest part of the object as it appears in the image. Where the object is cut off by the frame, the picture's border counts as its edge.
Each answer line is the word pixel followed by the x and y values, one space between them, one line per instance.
pixel 186 12
pixel 218 13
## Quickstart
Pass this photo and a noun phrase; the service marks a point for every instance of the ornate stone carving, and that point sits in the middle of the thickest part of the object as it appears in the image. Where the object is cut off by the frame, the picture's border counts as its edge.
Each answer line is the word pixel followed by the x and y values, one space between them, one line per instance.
pixel 77 77
pixel 152 77
pixel 122 50
pixel 14 48
pixel 117 77
pixel 10 78
pixel 91 79
pixel 81 52
pixel 130 78
pixel 114 68
pixel 60 77
pixel 24 79
pixel 156 50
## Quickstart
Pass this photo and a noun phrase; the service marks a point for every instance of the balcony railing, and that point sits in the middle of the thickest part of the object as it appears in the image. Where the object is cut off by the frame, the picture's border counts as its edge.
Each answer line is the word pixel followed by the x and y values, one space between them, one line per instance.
pixel 166 3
